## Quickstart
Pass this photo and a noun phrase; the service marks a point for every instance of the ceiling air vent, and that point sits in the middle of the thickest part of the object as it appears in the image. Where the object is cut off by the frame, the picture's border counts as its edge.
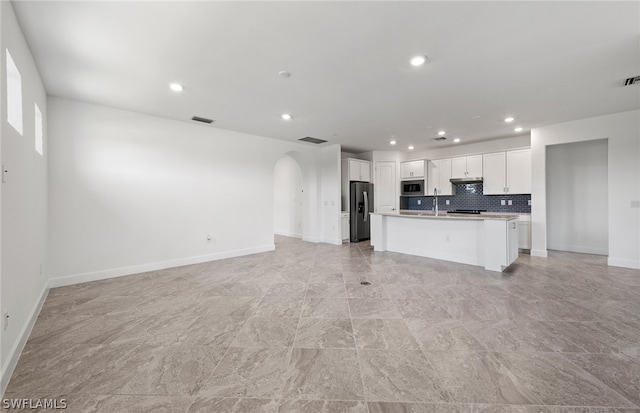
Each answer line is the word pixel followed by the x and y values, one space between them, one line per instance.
pixel 440 138
pixel 203 120
pixel 312 140
pixel 632 80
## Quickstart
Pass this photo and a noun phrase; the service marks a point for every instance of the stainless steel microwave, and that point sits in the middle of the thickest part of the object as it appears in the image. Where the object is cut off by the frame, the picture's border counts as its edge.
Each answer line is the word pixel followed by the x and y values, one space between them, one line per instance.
pixel 412 188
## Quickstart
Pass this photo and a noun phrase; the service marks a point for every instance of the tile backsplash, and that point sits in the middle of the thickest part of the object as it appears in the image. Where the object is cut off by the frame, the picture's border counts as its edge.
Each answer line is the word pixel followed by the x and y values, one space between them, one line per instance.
pixel 469 196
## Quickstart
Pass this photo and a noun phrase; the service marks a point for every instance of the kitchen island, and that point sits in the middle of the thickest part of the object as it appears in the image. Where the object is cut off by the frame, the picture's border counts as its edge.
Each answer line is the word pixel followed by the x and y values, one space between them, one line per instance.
pixel 487 240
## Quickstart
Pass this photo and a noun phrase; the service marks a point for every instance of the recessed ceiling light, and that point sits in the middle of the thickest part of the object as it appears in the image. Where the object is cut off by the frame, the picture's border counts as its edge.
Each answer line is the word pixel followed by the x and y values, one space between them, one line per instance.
pixel 509 119
pixel 441 133
pixel 284 73
pixel 518 129
pixel 392 143
pixel 418 60
pixel 411 147
pixel 176 87
pixel 456 140
pixel 286 116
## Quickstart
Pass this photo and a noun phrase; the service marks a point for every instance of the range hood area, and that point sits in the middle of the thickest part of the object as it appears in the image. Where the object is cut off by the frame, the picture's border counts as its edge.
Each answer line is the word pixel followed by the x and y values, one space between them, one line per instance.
pixel 466 180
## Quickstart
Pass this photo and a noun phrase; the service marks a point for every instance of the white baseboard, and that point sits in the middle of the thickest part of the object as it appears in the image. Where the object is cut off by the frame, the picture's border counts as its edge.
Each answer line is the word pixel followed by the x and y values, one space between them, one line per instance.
pixel 580 249
pixel 135 269
pixel 538 253
pixel 311 239
pixel 16 351
pixel 621 262
pixel 288 234
pixel 333 241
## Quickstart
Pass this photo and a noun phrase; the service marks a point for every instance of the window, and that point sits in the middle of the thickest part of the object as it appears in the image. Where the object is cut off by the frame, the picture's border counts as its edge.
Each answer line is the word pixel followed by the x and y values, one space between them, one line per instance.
pixel 39 139
pixel 14 95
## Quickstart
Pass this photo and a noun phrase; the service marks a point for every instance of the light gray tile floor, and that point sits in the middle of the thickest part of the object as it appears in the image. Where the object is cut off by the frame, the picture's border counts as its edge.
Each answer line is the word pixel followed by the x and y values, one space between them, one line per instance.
pixel 294 331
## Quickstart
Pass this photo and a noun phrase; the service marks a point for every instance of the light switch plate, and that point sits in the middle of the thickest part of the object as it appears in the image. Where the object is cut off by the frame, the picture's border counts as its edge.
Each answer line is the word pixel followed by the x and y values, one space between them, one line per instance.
pixel 502 202
pixel 446 202
pixel 529 202
pixel 419 201
pixel 509 202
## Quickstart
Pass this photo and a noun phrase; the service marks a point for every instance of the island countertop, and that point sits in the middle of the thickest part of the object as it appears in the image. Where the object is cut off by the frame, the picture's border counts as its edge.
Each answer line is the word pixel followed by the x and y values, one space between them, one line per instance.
pixel 425 214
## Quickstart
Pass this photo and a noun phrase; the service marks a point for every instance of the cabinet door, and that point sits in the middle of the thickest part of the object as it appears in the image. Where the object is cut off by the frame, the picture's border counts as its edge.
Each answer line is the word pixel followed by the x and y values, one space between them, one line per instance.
pixel 512 241
pixel 417 169
pixel 446 188
pixel 433 176
pixel 405 170
pixel 354 170
pixel 519 171
pixel 365 171
pixel 524 235
pixel 474 166
pixel 459 167
pixel 495 168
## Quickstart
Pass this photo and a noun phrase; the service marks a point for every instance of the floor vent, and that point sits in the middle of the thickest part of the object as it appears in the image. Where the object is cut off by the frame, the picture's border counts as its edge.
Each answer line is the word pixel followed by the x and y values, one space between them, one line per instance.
pixel 312 140
pixel 203 120
pixel 365 283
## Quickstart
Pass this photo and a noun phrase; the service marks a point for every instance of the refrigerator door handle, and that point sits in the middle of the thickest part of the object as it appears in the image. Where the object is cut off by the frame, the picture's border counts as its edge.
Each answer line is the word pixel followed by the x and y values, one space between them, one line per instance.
pixel 366 205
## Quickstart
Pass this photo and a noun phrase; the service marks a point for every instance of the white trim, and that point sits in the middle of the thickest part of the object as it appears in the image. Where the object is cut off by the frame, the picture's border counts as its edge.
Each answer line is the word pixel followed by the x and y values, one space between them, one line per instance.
pixel 621 262
pixel 16 351
pixel 310 239
pixel 538 253
pixel 580 249
pixel 288 234
pixel 153 266
pixel 333 241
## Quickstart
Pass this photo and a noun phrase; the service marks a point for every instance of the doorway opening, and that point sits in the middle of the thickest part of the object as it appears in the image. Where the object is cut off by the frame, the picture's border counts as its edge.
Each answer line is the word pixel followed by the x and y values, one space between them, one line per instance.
pixel 577 197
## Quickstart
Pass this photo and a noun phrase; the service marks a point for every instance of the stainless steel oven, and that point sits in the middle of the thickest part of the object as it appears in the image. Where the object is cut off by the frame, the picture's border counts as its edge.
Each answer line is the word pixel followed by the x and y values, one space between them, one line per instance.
pixel 412 188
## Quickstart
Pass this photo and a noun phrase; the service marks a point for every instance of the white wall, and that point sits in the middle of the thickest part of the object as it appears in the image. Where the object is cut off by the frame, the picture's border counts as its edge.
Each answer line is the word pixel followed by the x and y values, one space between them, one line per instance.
pixel 288 202
pixel 623 133
pixel 330 175
pixel 24 201
pixel 130 192
pixel 577 197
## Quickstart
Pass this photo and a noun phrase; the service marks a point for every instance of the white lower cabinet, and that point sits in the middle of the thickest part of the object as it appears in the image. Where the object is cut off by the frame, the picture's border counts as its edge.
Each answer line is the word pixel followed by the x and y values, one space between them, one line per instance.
pixel 524 232
pixel 344 219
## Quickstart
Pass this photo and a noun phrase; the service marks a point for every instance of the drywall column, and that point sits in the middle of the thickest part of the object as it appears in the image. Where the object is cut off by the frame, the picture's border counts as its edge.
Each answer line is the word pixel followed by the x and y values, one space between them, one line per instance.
pixel 623 133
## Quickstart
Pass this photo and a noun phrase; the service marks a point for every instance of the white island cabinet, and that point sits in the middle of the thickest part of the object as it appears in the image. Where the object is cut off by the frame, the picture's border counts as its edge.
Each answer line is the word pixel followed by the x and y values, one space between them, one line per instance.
pixel 489 241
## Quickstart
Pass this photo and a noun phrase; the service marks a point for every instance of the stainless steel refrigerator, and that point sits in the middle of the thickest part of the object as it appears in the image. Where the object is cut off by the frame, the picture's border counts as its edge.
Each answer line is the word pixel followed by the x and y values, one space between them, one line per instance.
pixel 361 199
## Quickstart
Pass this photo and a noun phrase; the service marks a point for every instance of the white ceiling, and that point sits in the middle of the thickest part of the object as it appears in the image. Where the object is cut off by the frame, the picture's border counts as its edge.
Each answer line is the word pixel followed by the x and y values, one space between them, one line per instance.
pixel 351 83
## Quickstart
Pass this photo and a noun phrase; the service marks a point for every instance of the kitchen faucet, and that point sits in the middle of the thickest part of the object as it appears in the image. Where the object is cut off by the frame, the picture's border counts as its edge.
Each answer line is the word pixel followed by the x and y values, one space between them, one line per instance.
pixel 435 200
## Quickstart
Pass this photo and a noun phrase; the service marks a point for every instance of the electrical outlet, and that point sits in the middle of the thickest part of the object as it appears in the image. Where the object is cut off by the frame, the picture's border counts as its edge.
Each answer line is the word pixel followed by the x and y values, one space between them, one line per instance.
pixel 529 202
pixel 419 201
pixel 509 202
pixel 635 204
pixel 446 202
pixel 503 202
pixel 5 320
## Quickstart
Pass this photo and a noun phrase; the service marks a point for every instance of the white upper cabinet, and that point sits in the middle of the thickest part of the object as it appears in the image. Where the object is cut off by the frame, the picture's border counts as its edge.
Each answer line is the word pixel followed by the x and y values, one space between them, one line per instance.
pixel 438 175
pixel 507 172
pixel 519 171
pixel 412 169
pixel 495 173
pixel 466 166
pixel 359 170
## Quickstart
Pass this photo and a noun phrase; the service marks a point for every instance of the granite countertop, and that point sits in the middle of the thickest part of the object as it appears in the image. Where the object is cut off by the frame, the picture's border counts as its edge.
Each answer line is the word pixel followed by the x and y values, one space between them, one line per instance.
pixel 444 215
